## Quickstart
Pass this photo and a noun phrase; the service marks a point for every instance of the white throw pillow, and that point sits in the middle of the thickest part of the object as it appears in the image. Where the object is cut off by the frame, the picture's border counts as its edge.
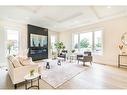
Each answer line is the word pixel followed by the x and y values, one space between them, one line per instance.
pixel 15 62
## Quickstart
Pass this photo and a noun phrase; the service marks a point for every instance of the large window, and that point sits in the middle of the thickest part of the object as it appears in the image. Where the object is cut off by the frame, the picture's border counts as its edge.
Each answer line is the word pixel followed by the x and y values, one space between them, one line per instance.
pixel 53 41
pixel 98 42
pixel 85 41
pixel 75 45
pixel 12 42
pixel 88 41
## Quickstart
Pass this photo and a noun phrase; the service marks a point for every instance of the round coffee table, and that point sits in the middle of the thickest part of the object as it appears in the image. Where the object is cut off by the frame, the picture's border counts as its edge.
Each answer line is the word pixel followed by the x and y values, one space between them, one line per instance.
pixel 31 78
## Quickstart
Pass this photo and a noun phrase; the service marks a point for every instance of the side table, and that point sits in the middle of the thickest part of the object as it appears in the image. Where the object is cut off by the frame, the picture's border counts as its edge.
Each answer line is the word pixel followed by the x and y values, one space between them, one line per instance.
pixel 31 78
pixel 119 60
pixel 72 57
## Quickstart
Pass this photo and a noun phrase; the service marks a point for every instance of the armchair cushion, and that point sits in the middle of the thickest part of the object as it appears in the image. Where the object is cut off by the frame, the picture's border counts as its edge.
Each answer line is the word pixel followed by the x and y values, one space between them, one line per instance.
pixel 86 57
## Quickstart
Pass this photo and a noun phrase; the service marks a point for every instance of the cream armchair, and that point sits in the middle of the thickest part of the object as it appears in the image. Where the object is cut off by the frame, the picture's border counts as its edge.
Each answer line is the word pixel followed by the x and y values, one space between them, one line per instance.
pixel 17 73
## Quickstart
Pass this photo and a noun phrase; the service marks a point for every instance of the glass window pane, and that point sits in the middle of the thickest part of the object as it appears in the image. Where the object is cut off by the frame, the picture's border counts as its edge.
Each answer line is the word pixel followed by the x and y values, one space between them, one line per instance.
pixel 12 42
pixel 86 42
pixel 53 40
pixel 75 45
pixel 98 41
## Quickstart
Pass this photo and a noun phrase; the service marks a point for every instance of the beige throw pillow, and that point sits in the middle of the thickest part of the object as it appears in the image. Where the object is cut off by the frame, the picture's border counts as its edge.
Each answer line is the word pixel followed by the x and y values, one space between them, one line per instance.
pixel 27 61
pixel 15 62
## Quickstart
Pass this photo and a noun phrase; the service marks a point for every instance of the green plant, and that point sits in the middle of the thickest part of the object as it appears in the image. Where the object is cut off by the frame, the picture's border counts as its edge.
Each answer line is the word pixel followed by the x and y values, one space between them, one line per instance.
pixel 32 72
pixel 98 44
pixel 59 46
pixel 84 43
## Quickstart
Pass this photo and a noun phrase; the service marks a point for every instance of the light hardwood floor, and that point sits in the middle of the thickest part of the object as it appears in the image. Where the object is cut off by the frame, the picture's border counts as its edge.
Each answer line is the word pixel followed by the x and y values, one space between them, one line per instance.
pixel 96 77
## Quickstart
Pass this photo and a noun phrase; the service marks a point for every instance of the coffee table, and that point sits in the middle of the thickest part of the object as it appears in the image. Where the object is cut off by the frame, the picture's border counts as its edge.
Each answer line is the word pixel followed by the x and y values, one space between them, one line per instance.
pixel 72 57
pixel 31 78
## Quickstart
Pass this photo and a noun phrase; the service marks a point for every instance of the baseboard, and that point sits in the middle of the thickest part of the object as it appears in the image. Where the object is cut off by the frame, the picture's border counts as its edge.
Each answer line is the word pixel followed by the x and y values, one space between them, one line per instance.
pixel 105 64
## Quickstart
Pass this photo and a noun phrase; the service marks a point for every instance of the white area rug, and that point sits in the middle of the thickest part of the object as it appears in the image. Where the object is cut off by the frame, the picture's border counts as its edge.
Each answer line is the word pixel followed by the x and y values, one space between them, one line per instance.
pixel 58 75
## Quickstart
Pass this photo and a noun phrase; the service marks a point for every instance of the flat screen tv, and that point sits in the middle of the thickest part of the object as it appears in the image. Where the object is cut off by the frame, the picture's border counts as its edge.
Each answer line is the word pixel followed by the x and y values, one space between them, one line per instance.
pixel 38 40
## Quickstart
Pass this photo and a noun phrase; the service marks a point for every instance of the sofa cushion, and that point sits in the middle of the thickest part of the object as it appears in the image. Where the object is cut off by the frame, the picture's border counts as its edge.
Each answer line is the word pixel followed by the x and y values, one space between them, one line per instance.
pixel 15 62
pixel 27 61
pixel 21 59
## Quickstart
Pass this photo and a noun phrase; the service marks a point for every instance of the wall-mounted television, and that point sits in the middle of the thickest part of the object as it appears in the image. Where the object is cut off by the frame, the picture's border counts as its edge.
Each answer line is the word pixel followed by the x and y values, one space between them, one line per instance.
pixel 38 40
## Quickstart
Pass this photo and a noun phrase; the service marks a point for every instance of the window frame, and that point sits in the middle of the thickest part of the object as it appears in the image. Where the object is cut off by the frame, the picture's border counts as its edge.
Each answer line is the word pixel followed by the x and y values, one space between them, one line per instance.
pixel 19 38
pixel 93 40
pixel 51 41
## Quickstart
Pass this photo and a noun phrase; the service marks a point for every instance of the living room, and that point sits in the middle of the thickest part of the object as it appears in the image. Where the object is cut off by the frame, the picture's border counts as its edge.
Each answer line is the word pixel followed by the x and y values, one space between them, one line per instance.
pixel 65 46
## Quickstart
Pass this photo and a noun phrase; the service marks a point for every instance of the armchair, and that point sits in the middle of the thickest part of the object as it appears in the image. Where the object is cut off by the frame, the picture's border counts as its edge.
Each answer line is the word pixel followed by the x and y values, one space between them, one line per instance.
pixel 86 57
pixel 63 54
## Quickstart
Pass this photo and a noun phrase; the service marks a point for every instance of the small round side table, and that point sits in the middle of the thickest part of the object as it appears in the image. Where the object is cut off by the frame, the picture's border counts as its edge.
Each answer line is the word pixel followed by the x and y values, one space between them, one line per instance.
pixel 31 78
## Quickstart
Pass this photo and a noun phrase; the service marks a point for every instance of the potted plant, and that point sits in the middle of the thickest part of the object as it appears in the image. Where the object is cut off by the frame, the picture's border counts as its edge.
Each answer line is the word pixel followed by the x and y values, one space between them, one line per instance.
pixel 59 46
pixel 32 72
pixel 73 51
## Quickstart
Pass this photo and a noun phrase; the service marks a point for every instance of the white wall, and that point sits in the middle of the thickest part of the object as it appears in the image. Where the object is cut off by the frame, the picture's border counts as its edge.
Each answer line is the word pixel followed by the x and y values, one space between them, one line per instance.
pixel 113 30
pixel 2 44
pixel 22 28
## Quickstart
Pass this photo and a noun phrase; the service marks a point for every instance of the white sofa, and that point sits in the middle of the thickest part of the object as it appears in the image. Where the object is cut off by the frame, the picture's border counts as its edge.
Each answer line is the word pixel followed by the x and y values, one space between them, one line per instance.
pixel 17 73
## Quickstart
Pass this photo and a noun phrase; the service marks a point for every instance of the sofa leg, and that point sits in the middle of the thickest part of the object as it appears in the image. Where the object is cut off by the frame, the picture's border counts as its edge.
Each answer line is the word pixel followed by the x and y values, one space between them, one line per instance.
pixel 15 86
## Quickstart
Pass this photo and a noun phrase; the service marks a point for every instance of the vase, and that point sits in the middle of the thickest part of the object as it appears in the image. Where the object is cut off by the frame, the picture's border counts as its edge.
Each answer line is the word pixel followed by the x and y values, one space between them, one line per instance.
pixel 120 51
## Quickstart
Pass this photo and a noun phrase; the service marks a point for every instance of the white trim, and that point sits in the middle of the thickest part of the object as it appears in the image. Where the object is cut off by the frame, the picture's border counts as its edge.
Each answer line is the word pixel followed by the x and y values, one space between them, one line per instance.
pixel 19 37
pixel 93 31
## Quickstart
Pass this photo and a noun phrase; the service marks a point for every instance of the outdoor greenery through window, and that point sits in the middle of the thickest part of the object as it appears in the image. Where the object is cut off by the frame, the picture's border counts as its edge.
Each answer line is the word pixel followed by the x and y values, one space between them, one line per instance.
pixel 88 41
pixel 98 42
pixel 53 41
pixel 12 42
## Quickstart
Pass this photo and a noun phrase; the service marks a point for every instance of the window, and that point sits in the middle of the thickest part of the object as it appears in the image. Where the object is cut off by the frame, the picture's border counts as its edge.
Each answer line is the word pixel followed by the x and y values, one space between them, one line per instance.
pixel 75 39
pixel 98 42
pixel 12 42
pixel 53 41
pixel 88 41
pixel 85 41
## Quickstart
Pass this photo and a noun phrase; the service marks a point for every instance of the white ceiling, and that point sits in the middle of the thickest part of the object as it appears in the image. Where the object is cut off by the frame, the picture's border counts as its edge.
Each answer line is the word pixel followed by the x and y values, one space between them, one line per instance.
pixel 61 18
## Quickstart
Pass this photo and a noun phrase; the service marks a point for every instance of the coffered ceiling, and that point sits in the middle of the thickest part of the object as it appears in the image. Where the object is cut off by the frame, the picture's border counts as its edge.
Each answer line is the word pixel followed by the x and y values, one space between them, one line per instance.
pixel 61 18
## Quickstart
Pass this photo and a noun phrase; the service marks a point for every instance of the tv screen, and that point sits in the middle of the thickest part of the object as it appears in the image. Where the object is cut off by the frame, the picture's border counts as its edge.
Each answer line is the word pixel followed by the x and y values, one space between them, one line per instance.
pixel 38 40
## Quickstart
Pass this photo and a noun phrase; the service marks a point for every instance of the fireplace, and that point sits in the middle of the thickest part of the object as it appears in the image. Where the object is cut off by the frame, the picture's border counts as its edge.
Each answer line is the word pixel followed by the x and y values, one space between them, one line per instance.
pixel 37 42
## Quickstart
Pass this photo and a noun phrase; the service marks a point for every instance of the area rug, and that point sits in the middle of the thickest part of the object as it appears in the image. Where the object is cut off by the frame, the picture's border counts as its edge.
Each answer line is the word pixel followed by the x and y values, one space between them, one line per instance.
pixel 58 75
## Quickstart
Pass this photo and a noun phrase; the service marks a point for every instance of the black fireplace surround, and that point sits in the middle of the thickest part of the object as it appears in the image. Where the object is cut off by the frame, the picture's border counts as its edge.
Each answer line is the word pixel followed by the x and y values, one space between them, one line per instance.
pixel 38 48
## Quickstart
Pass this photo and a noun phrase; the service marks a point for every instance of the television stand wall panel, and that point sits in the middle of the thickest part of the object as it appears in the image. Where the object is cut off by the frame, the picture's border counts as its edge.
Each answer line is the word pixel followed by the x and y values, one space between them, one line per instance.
pixel 37 42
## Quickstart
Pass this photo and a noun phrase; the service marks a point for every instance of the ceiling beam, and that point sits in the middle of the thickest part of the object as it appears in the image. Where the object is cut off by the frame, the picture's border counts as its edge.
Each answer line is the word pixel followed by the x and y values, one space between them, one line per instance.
pixel 95 12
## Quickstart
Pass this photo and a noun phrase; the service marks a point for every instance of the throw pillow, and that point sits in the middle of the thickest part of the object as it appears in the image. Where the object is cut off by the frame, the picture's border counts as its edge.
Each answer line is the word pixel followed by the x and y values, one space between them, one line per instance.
pixel 27 61
pixel 15 62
